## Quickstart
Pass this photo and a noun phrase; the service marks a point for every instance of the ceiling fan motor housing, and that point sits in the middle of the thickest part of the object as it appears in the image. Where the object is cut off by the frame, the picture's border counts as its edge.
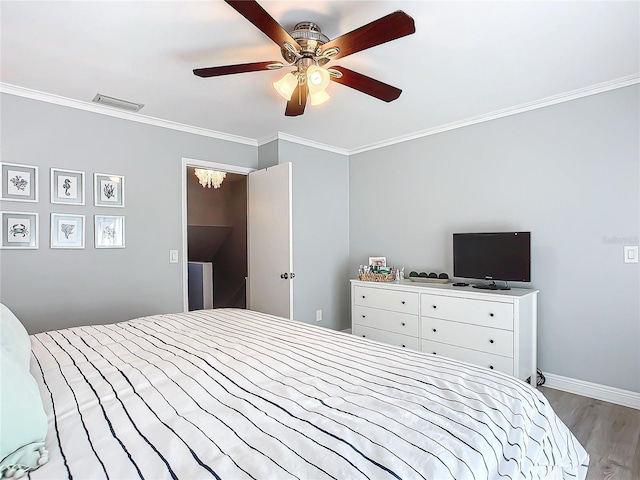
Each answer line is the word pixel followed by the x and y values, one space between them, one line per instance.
pixel 310 38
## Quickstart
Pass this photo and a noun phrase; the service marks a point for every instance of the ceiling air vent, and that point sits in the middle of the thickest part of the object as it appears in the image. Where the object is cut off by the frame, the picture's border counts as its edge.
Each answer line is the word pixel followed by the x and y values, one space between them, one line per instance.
pixel 117 103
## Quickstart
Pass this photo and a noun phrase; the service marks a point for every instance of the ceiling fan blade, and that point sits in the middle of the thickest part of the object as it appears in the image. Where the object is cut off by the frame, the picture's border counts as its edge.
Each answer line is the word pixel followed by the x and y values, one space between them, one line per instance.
pixel 365 84
pixel 393 26
pixel 296 105
pixel 252 11
pixel 240 68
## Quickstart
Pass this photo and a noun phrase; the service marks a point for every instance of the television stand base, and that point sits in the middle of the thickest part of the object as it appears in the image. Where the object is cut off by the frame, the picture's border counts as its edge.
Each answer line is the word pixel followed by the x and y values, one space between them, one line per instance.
pixel 492 286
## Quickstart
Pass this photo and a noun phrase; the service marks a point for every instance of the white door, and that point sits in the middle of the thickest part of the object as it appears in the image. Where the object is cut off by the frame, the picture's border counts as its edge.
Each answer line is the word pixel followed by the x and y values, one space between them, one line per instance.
pixel 269 244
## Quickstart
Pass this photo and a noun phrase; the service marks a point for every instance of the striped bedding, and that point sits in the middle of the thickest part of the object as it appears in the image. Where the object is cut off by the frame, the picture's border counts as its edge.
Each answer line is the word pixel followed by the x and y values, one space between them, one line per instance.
pixel 236 394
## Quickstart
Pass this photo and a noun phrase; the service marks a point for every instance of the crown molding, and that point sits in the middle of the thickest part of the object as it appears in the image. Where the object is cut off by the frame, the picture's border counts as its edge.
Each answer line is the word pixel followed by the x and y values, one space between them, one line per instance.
pixel 525 107
pixel 136 117
pixel 310 143
pixel 114 112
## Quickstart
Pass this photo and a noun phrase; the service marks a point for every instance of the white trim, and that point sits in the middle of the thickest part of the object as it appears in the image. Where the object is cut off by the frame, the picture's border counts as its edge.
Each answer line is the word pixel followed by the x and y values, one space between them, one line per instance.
pixel 525 107
pixel 192 162
pixel 605 393
pixel 310 143
pixel 136 117
pixel 114 112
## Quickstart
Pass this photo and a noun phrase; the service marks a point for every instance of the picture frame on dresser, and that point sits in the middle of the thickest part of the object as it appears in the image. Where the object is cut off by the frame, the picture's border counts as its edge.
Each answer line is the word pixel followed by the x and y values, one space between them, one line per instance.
pixel 67 187
pixel 19 230
pixel 19 183
pixel 108 190
pixel 67 231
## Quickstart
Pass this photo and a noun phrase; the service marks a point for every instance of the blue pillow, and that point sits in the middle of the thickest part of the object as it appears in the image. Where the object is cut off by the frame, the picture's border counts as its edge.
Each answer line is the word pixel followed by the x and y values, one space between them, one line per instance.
pixel 14 339
pixel 23 421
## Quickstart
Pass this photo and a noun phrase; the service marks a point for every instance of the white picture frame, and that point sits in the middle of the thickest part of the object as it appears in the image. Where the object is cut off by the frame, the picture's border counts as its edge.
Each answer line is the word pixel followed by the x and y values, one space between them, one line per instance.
pixel 109 231
pixel 19 230
pixel 19 183
pixel 67 231
pixel 108 190
pixel 378 261
pixel 67 186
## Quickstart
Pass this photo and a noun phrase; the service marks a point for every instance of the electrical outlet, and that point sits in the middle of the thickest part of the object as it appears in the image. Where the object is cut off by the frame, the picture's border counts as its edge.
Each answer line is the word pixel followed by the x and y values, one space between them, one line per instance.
pixel 318 315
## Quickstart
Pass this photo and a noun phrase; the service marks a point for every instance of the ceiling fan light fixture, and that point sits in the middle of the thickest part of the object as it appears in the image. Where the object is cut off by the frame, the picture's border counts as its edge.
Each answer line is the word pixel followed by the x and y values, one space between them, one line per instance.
pixel 286 86
pixel 318 97
pixel 317 78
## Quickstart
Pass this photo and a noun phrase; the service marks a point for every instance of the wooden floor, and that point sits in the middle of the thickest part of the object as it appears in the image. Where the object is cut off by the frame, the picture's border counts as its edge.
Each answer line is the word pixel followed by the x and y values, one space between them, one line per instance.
pixel 610 433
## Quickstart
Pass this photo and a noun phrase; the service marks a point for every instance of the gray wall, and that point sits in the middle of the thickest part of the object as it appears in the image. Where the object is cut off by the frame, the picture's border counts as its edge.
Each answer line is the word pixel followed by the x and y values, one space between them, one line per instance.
pixel 320 234
pixel 570 174
pixel 50 289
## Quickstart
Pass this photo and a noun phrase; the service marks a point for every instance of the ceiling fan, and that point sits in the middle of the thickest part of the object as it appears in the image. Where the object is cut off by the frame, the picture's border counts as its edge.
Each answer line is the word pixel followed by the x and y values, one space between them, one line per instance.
pixel 306 49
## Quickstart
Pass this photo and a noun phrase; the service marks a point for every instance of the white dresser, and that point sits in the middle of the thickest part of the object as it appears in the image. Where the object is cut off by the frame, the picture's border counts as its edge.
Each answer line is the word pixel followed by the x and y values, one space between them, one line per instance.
pixel 492 328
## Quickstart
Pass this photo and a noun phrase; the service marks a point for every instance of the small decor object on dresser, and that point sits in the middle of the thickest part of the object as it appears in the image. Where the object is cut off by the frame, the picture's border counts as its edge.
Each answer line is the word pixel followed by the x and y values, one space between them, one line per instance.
pixel 378 261
pixel 19 230
pixel 108 190
pixel 19 182
pixel 67 231
pixel 67 186
pixel 109 231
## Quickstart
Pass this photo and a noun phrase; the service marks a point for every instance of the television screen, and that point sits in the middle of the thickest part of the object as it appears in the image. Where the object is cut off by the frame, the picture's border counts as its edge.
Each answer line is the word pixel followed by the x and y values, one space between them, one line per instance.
pixel 497 256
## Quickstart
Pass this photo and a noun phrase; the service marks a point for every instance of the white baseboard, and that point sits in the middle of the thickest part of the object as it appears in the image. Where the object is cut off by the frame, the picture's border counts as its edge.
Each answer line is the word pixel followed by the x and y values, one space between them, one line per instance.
pixel 618 396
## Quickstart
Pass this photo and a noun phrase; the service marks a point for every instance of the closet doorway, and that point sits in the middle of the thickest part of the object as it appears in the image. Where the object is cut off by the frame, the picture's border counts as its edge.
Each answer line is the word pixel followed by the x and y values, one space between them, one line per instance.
pixel 215 238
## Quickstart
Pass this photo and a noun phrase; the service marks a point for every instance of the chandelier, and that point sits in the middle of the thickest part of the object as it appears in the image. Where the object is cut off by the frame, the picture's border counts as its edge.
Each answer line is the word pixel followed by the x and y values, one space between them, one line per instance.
pixel 207 178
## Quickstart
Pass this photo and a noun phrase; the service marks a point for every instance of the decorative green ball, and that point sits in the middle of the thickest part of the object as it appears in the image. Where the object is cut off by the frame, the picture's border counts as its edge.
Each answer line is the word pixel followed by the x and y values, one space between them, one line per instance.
pixel 433 275
pixel 413 274
pixel 443 276
pixel 423 274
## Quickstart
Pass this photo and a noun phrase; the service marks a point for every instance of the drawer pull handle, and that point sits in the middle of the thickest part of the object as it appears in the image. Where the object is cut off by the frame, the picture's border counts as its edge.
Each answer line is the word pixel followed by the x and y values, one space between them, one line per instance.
pixel 403 346
pixel 403 324
pixel 434 330
pixel 403 302
pixel 364 316
pixel 364 336
pixel 490 341
pixel 434 353
pixel 490 367
pixel 362 296
pixel 434 306
pixel 491 314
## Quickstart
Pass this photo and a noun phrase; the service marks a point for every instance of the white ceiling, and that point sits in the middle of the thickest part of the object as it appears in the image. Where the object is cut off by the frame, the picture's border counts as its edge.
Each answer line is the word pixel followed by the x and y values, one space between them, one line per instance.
pixel 466 60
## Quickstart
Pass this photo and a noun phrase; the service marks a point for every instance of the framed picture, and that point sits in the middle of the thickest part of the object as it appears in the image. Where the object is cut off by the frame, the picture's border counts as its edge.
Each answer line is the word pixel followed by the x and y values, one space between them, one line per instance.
pixel 19 182
pixel 67 186
pixel 378 261
pixel 108 190
pixel 109 231
pixel 67 231
pixel 19 230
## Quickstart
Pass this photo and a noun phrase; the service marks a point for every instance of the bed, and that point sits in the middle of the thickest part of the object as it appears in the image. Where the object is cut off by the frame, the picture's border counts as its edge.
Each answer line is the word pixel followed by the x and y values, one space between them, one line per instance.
pixel 236 394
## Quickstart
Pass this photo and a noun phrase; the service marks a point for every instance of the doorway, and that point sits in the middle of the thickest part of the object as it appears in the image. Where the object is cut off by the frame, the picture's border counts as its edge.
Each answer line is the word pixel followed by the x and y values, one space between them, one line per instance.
pixel 215 238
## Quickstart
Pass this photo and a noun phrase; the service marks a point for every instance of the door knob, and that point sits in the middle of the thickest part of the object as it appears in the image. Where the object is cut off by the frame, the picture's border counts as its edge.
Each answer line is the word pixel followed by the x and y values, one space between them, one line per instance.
pixel 284 276
pixel 292 275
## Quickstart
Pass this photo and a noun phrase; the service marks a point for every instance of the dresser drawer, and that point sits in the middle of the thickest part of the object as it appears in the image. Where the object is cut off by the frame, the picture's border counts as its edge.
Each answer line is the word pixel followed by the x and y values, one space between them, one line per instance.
pixel 483 359
pixel 394 300
pixel 476 312
pixel 484 339
pixel 397 339
pixel 403 323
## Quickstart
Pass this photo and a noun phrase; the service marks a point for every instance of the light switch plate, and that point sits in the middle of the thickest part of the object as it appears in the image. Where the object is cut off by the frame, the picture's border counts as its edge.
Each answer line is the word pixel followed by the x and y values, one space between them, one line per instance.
pixel 173 256
pixel 631 254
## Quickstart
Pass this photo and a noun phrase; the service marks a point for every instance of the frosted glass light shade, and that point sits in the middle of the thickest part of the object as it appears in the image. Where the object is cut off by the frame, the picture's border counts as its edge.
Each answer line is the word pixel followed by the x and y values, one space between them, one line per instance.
pixel 317 78
pixel 318 97
pixel 286 86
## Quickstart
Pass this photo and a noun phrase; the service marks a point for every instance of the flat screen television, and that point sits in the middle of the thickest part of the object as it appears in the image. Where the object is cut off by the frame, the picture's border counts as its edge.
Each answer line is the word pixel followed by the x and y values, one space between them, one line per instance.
pixel 503 256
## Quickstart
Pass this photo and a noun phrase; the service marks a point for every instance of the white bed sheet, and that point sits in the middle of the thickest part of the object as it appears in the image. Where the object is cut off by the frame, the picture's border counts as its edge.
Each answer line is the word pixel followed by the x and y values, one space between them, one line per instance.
pixel 237 394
